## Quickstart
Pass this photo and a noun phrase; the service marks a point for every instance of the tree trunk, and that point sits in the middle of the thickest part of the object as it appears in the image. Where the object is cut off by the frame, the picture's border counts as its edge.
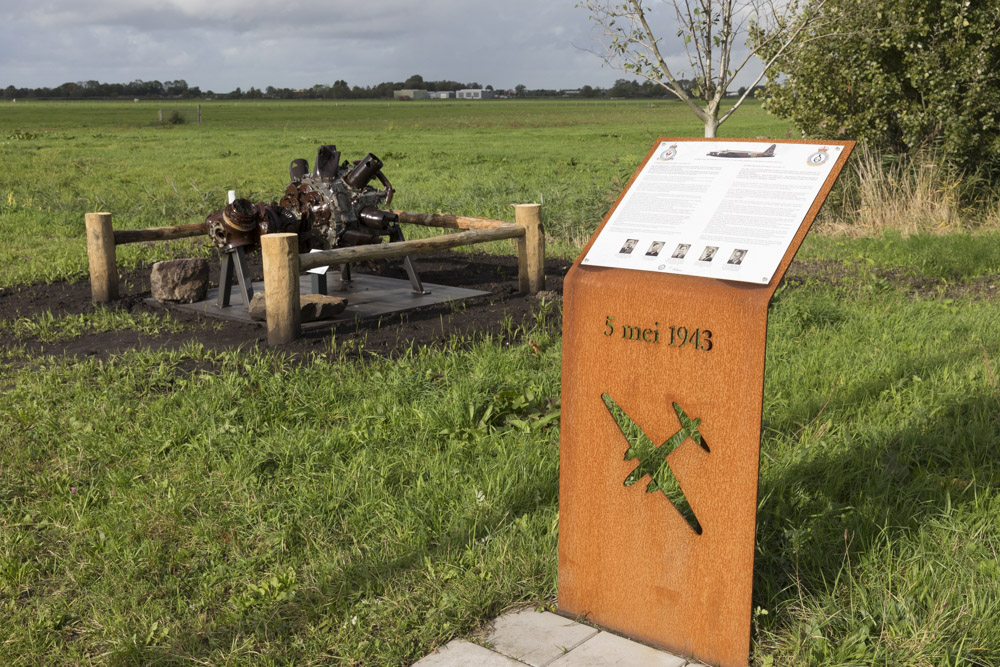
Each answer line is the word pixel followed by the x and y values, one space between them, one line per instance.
pixel 711 125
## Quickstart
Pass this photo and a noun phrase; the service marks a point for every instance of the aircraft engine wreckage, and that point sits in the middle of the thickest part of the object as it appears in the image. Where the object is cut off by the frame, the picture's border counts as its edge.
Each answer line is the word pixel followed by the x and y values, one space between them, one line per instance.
pixel 333 206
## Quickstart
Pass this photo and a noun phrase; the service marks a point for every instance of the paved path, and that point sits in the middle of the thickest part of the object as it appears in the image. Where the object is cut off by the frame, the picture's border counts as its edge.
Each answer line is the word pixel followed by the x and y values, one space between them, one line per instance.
pixel 543 639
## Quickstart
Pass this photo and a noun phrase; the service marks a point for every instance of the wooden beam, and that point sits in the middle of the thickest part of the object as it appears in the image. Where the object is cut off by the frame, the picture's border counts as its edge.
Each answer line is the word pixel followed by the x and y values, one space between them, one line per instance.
pixel 101 256
pixel 160 233
pixel 530 249
pixel 449 221
pixel 281 287
pixel 404 248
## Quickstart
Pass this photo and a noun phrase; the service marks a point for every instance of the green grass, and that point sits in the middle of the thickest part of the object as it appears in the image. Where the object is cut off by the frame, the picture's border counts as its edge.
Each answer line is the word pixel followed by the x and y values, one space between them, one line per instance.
pixel 255 509
pixel 877 542
pixel 953 258
pixel 63 160
pixel 48 328
pixel 191 506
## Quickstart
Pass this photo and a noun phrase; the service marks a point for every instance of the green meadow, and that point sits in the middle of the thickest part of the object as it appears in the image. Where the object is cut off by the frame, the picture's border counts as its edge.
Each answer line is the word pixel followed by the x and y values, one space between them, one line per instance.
pixel 62 160
pixel 195 506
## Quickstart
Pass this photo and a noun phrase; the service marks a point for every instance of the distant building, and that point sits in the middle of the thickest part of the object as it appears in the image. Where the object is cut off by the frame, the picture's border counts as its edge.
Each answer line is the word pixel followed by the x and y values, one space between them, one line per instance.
pixel 443 95
pixel 474 94
pixel 411 94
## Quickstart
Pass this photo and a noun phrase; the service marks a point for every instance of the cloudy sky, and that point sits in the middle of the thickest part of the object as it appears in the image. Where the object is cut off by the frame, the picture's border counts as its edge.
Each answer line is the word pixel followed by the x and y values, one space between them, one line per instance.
pixel 223 44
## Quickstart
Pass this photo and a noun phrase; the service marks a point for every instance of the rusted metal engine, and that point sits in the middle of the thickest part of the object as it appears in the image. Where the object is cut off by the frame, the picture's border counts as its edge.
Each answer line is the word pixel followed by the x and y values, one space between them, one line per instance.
pixel 333 206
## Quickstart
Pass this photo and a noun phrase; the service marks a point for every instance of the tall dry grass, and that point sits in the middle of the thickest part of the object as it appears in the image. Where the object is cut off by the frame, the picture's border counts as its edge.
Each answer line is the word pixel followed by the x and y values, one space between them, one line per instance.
pixel 920 193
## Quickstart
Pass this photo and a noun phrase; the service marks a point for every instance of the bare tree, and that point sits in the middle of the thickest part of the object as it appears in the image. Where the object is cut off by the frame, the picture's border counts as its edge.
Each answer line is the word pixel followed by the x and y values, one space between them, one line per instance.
pixel 711 31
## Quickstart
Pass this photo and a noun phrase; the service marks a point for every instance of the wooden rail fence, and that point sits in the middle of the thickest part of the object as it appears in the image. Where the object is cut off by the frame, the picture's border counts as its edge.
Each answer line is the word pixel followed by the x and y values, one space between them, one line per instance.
pixel 282 263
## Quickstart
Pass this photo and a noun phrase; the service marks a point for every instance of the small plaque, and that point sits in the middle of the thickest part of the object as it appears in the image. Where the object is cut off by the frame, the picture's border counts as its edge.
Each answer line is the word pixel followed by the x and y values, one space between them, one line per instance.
pixel 727 210
pixel 319 270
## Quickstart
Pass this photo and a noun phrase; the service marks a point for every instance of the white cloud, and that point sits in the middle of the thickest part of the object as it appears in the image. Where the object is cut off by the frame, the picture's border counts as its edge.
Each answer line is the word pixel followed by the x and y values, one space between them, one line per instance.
pixel 222 44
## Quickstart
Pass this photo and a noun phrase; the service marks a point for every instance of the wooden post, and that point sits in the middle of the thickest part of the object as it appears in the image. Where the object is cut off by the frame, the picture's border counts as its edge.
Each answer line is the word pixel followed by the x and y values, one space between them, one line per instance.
pixel 199 113
pixel 101 253
pixel 449 221
pixel 358 253
pixel 281 287
pixel 123 236
pixel 530 249
pixel 159 115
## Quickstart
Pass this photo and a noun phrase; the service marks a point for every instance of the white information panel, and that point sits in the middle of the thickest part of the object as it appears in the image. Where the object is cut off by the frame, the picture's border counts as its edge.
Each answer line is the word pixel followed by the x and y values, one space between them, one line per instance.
pixel 715 209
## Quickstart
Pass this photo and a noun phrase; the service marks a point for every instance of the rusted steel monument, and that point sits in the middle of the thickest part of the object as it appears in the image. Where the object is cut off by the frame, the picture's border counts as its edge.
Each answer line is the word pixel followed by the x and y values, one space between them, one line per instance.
pixel 664 327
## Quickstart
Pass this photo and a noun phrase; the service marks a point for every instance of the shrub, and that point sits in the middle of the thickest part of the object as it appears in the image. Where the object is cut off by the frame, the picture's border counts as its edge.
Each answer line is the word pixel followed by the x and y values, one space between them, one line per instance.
pixel 901 75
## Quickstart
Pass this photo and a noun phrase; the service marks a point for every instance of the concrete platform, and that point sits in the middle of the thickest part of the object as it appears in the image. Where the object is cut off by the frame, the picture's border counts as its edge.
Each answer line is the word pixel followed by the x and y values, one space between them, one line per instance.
pixel 541 639
pixel 367 296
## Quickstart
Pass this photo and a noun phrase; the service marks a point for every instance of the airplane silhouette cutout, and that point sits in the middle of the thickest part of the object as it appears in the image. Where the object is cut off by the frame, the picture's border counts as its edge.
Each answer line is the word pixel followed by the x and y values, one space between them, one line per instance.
pixel 769 152
pixel 653 458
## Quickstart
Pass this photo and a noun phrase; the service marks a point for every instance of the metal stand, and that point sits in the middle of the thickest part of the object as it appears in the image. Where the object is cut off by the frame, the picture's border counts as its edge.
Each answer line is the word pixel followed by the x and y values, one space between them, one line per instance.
pixel 318 283
pixel 345 278
pixel 234 259
pixel 396 234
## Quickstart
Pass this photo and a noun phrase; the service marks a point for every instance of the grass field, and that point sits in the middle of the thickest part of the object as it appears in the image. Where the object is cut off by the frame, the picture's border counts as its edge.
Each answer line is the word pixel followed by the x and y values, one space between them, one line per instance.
pixel 63 160
pixel 190 506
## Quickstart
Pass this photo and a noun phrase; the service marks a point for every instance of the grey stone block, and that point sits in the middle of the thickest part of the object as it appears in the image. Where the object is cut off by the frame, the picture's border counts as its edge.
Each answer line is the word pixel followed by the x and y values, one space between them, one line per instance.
pixel 460 653
pixel 607 650
pixel 179 280
pixel 537 638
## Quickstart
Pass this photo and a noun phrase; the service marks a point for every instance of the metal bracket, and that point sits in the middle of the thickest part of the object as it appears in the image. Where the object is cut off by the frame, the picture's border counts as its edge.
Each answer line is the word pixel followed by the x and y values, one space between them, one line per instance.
pixel 396 234
pixel 234 259
pixel 318 283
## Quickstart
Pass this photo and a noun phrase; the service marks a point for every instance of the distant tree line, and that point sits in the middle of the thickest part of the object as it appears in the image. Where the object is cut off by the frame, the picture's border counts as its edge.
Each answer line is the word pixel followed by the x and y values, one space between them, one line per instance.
pixel 97 90
pixel 636 89
pixel 180 89
pixel 339 90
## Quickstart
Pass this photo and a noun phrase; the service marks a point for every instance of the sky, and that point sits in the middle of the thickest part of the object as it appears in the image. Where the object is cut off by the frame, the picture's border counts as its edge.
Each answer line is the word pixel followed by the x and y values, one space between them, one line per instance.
pixel 220 45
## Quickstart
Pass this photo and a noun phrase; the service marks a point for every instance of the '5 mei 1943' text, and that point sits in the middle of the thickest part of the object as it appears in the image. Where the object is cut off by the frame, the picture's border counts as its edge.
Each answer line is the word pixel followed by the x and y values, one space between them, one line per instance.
pixel 676 336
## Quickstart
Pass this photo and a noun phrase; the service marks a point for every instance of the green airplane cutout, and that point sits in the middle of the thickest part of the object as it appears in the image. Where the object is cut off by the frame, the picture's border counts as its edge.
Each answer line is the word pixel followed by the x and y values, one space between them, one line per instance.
pixel 653 458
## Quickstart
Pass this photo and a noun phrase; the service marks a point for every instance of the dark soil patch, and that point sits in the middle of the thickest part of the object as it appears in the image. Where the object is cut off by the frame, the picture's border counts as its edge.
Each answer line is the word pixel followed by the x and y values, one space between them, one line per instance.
pixel 498 314
pixel 920 287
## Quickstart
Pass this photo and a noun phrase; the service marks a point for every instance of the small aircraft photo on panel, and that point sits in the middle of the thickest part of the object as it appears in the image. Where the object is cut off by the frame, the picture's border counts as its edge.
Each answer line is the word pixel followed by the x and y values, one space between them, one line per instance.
pixel 728 153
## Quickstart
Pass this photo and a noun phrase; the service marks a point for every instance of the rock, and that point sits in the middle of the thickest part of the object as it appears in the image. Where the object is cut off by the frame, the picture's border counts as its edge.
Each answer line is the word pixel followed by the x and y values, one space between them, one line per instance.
pixel 317 307
pixel 257 308
pixel 179 280
pixel 313 307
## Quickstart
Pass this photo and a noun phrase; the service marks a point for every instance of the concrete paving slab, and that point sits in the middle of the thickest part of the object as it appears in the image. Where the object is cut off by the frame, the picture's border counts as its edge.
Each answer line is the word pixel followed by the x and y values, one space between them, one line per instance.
pixel 537 638
pixel 460 653
pixel 367 296
pixel 608 650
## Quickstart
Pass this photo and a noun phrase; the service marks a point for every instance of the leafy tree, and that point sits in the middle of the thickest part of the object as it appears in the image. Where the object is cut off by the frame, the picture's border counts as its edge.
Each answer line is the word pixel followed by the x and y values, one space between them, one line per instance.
pixel 712 31
pixel 625 88
pixel 340 90
pixel 178 87
pixel 902 75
